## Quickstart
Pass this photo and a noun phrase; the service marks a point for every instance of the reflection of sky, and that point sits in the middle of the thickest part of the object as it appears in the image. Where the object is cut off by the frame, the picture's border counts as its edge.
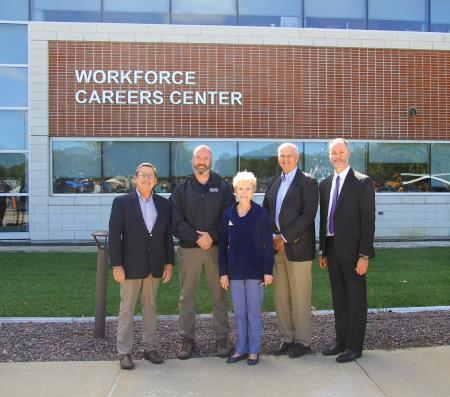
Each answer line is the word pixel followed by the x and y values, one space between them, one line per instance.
pixel 161 6
pixel 207 7
pixel 269 7
pixel 79 5
pixel 13 128
pixel 14 83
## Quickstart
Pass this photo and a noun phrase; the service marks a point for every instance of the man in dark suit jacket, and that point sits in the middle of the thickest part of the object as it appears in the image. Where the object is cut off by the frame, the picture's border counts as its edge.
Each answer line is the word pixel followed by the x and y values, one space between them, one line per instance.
pixel 291 199
pixel 347 228
pixel 141 252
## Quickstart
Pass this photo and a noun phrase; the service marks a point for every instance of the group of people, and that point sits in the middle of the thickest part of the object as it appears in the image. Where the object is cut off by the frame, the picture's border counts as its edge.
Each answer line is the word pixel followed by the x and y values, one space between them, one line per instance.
pixel 245 247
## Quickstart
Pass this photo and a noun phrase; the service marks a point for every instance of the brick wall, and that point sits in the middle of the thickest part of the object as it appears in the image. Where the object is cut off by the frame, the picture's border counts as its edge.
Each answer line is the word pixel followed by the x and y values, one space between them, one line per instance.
pixel 288 91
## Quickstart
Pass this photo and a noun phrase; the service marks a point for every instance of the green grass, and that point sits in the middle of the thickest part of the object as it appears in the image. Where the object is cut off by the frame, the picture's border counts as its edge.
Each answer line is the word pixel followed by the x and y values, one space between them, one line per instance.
pixel 63 284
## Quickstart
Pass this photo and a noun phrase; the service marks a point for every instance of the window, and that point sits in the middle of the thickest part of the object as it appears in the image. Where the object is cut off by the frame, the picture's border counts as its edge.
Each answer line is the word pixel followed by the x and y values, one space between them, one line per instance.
pixel 440 167
pixel 397 15
pixel 16 10
pixel 261 158
pixel 269 13
pixel 13 44
pixel 336 14
pixel 224 159
pixel 76 167
pixel 440 16
pixel 13 129
pixel 137 11
pixel 66 10
pixel 13 87
pixel 400 167
pixel 120 160
pixel 204 12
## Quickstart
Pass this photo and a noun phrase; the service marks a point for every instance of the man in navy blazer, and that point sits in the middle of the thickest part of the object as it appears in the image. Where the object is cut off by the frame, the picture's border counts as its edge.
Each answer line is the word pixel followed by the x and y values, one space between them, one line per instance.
pixel 141 252
pixel 292 198
pixel 347 228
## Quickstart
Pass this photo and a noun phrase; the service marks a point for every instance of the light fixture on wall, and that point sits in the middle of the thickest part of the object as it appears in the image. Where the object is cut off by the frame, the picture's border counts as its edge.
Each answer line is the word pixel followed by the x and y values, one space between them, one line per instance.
pixel 412 112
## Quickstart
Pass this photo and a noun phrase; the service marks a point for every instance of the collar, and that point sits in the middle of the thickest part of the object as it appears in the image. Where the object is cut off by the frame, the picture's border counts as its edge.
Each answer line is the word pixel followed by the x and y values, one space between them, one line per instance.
pixel 342 174
pixel 142 198
pixel 289 177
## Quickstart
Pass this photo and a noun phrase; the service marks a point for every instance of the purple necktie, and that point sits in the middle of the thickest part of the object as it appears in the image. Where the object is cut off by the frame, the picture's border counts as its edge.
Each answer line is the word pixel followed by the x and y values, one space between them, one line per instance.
pixel 333 206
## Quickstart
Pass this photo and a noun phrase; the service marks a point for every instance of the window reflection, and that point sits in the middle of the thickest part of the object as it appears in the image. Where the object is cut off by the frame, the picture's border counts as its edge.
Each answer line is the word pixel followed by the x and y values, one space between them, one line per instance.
pixel 14 84
pixel 66 10
pixel 269 13
pixel 13 213
pixel 12 173
pixel 137 11
pixel 13 129
pixel 397 167
pixel 260 158
pixel 16 10
pixel 204 12
pixel 13 44
pixel 440 167
pixel 440 16
pixel 120 160
pixel 337 14
pixel 397 15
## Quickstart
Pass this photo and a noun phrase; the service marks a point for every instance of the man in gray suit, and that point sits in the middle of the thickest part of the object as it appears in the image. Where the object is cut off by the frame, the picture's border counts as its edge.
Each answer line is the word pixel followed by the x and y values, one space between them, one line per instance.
pixel 291 199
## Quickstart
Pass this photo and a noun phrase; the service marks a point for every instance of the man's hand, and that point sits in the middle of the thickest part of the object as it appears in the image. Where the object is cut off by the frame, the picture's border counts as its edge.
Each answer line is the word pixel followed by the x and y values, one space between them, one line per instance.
pixel 323 262
pixel 278 243
pixel 224 282
pixel 362 266
pixel 204 241
pixel 168 272
pixel 119 274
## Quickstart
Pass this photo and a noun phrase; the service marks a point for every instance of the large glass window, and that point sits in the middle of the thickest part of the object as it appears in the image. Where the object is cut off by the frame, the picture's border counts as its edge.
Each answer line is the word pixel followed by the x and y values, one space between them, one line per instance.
pixel 440 15
pixel 13 43
pixel 397 15
pixel 13 87
pixel 204 12
pixel 270 13
pixel 224 158
pixel 336 14
pixel 13 130
pixel 120 160
pixel 137 11
pixel 16 10
pixel 260 158
pixel 13 213
pixel 400 167
pixel 66 10
pixel 76 167
pixel 12 172
pixel 440 167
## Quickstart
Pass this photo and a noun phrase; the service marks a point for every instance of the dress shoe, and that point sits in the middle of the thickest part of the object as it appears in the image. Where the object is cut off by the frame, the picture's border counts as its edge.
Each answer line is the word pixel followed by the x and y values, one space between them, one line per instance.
pixel 126 362
pixel 223 348
pixel 333 350
pixel 283 348
pixel 186 349
pixel 253 361
pixel 235 359
pixel 348 355
pixel 298 350
pixel 153 356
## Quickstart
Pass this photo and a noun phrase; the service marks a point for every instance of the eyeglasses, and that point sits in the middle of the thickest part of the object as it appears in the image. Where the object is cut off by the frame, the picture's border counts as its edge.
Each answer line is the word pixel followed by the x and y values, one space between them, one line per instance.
pixel 146 176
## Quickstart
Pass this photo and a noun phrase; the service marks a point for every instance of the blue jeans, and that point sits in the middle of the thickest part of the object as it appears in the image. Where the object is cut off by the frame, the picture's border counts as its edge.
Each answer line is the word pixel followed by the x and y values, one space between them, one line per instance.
pixel 247 298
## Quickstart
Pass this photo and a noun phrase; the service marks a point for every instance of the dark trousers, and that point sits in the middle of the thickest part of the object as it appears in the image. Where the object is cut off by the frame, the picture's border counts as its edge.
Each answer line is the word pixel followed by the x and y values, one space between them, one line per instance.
pixel 349 294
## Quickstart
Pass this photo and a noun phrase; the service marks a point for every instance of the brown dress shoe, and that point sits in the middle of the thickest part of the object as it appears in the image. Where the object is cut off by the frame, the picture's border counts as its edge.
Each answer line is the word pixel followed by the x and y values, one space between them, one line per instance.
pixel 153 356
pixel 187 346
pixel 126 362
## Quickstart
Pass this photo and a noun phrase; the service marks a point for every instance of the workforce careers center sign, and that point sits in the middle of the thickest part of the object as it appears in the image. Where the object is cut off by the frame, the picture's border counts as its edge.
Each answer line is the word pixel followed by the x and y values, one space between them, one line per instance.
pixel 151 96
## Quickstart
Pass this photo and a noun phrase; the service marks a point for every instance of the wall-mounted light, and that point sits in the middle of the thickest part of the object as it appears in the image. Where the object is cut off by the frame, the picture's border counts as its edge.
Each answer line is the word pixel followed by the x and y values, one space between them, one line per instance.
pixel 412 112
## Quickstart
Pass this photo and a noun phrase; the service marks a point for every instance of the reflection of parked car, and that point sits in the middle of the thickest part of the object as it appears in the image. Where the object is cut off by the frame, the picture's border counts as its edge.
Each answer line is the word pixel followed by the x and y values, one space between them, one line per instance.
pixel 77 185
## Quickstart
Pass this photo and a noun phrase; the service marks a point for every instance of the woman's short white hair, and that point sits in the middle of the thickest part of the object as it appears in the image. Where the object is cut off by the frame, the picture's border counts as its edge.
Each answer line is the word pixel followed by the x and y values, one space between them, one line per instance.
pixel 244 176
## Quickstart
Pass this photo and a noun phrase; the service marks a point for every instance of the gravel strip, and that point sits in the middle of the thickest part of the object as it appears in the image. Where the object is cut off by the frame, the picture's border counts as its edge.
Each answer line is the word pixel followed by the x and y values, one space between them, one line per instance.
pixel 75 342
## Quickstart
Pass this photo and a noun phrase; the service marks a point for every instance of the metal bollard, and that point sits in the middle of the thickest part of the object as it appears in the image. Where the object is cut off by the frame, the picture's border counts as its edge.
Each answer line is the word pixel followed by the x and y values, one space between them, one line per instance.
pixel 101 240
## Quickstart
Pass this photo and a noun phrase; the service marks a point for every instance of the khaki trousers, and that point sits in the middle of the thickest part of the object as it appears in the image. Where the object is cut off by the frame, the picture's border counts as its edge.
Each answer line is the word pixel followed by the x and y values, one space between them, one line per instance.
pixel 129 293
pixel 292 285
pixel 191 262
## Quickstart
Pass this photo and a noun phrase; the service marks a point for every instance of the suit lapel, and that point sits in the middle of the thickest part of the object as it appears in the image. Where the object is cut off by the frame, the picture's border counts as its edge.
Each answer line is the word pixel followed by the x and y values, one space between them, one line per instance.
pixel 273 200
pixel 347 183
pixel 137 211
pixel 292 187
pixel 327 189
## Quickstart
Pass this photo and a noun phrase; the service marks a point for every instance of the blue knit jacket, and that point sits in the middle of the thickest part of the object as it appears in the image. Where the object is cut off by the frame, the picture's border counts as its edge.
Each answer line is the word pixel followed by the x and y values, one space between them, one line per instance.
pixel 245 244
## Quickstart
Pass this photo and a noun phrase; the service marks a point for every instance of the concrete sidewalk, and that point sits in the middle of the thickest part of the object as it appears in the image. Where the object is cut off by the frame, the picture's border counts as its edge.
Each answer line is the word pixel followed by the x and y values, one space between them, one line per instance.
pixel 414 372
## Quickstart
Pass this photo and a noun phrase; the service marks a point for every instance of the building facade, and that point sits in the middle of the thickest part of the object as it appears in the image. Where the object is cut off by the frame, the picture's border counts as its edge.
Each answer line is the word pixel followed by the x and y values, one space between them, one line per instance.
pixel 84 99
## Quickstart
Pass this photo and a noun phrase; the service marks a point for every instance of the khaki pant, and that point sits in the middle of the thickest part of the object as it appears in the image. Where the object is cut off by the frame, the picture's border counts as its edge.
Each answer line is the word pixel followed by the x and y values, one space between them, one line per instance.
pixel 292 286
pixel 191 262
pixel 129 293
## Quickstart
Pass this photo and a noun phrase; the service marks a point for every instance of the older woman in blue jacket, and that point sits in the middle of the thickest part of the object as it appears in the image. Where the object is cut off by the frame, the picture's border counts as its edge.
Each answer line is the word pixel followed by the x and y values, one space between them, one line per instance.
pixel 246 264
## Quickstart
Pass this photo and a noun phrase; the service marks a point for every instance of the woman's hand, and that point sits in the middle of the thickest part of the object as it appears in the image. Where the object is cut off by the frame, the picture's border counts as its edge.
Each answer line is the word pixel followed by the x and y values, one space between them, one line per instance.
pixel 267 279
pixel 224 282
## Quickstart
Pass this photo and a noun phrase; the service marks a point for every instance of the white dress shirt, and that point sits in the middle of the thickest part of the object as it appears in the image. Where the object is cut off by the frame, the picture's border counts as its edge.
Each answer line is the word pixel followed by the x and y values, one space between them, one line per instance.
pixel 342 176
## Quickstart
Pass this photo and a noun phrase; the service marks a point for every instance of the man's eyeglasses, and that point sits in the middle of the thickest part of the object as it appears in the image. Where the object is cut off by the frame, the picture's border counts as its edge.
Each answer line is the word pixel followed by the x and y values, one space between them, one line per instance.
pixel 145 176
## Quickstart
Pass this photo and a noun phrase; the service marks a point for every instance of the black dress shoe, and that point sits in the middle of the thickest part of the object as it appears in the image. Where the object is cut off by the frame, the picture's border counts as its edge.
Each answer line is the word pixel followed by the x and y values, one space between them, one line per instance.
pixel 348 355
pixel 283 348
pixel 153 356
pixel 235 359
pixel 333 350
pixel 253 361
pixel 126 362
pixel 299 350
